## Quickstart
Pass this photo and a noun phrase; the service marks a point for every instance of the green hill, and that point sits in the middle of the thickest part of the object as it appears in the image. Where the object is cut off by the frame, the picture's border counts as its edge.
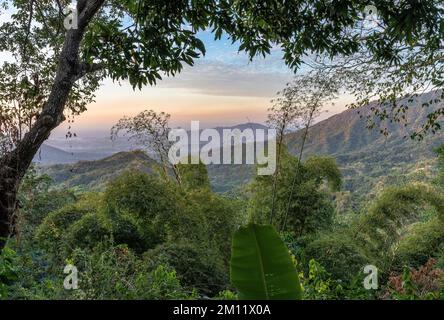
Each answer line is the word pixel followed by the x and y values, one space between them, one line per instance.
pixel 95 174
pixel 368 159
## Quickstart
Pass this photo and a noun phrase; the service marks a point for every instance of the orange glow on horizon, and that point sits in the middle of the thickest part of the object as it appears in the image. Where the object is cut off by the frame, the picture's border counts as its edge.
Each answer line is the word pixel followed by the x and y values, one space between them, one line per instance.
pixel 114 102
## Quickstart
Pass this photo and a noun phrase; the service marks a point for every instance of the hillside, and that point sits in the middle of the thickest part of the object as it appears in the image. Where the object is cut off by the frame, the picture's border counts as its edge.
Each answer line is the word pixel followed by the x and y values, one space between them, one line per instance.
pixel 367 159
pixel 95 174
pixel 62 150
pixel 49 155
pixel 345 133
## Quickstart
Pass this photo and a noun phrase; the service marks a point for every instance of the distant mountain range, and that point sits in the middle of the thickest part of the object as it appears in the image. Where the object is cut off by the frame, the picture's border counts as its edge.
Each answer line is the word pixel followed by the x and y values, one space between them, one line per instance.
pixel 346 133
pixel 64 151
pixel 368 159
pixel 248 125
pixel 95 174
pixel 49 155
pixel 72 150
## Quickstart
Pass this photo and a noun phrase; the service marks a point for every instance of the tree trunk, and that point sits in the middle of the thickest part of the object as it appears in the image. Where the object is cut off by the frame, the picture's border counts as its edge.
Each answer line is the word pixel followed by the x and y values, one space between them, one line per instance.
pixel 13 165
pixel 8 202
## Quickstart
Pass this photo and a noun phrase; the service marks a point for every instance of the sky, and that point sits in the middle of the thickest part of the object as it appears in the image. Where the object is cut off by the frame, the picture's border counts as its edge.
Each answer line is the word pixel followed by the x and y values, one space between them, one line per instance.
pixel 223 88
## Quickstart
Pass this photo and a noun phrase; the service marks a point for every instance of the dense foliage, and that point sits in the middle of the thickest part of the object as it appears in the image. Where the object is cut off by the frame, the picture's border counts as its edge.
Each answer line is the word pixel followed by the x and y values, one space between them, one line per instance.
pixel 148 237
pixel 148 230
pixel 310 208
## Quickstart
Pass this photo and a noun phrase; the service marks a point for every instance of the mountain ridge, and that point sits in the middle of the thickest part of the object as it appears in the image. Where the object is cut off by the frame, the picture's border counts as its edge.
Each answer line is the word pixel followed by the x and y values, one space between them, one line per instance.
pixel 367 158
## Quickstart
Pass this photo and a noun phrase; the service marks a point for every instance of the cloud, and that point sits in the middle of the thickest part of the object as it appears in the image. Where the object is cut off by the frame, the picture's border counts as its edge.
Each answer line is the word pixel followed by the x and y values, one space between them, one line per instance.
pixel 219 78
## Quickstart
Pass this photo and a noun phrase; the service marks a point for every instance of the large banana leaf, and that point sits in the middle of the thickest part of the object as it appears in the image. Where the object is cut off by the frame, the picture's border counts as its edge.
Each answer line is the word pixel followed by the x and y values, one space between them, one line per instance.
pixel 261 267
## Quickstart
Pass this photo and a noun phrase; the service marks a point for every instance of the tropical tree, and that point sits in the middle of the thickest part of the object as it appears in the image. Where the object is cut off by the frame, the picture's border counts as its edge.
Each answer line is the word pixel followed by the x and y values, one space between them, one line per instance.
pixel 310 208
pixel 282 116
pixel 150 129
pixel 62 55
pixel 403 58
pixel 296 107
pixel 382 228
pixel 313 92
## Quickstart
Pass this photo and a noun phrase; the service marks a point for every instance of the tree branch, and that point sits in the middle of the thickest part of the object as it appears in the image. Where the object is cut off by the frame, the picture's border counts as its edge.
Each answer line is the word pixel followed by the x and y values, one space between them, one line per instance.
pixel 86 68
pixel 68 71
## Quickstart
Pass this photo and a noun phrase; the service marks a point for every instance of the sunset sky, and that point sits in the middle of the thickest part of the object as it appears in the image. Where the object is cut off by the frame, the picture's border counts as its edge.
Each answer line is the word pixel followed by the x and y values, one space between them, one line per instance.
pixel 223 88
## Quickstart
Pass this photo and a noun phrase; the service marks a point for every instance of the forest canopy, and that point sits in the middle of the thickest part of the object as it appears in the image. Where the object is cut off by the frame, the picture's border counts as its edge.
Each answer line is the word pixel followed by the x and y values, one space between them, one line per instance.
pixel 163 231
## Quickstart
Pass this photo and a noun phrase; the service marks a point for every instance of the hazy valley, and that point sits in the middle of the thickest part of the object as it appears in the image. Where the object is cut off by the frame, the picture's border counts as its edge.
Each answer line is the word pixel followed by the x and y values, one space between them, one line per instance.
pixel 368 159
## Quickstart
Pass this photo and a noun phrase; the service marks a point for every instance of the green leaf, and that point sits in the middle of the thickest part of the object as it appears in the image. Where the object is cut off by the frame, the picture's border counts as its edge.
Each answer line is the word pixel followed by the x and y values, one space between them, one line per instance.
pixel 261 267
pixel 200 45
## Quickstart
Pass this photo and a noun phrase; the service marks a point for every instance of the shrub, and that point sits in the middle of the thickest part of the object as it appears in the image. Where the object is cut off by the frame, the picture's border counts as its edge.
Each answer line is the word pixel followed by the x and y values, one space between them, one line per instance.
pixel 318 284
pixel 126 230
pixel 338 254
pixel 226 295
pixel 36 206
pixel 8 271
pixel 194 176
pixel 394 210
pixel 37 200
pixel 52 234
pixel 114 272
pixel 196 266
pixel 89 230
pixel 301 204
pixel 426 282
pixel 146 201
pixel 217 218
pixel 161 284
pixel 141 195
pixel 55 225
pixel 422 242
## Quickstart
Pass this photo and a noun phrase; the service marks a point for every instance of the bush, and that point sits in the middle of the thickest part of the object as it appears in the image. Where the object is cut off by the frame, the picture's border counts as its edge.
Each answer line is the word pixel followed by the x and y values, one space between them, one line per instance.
pixel 35 209
pixel 114 272
pixel 216 220
pixel 226 295
pixel 89 230
pixel 394 210
pixel 141 195
pixel 161 284
pixel 426 282
pixel 146 201
pixel 338 254
pixel 126 230
pixel 318 284
pixel 194 176
pixel 37 200
pixel 55 234
pixel 308 208
pixel 422 242
pixel 55 226
pixel 196 267
pixel 8 271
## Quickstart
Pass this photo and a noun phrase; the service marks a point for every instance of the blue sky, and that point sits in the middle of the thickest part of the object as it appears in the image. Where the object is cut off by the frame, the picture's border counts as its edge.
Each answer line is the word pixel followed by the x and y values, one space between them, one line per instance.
pixel 222 88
